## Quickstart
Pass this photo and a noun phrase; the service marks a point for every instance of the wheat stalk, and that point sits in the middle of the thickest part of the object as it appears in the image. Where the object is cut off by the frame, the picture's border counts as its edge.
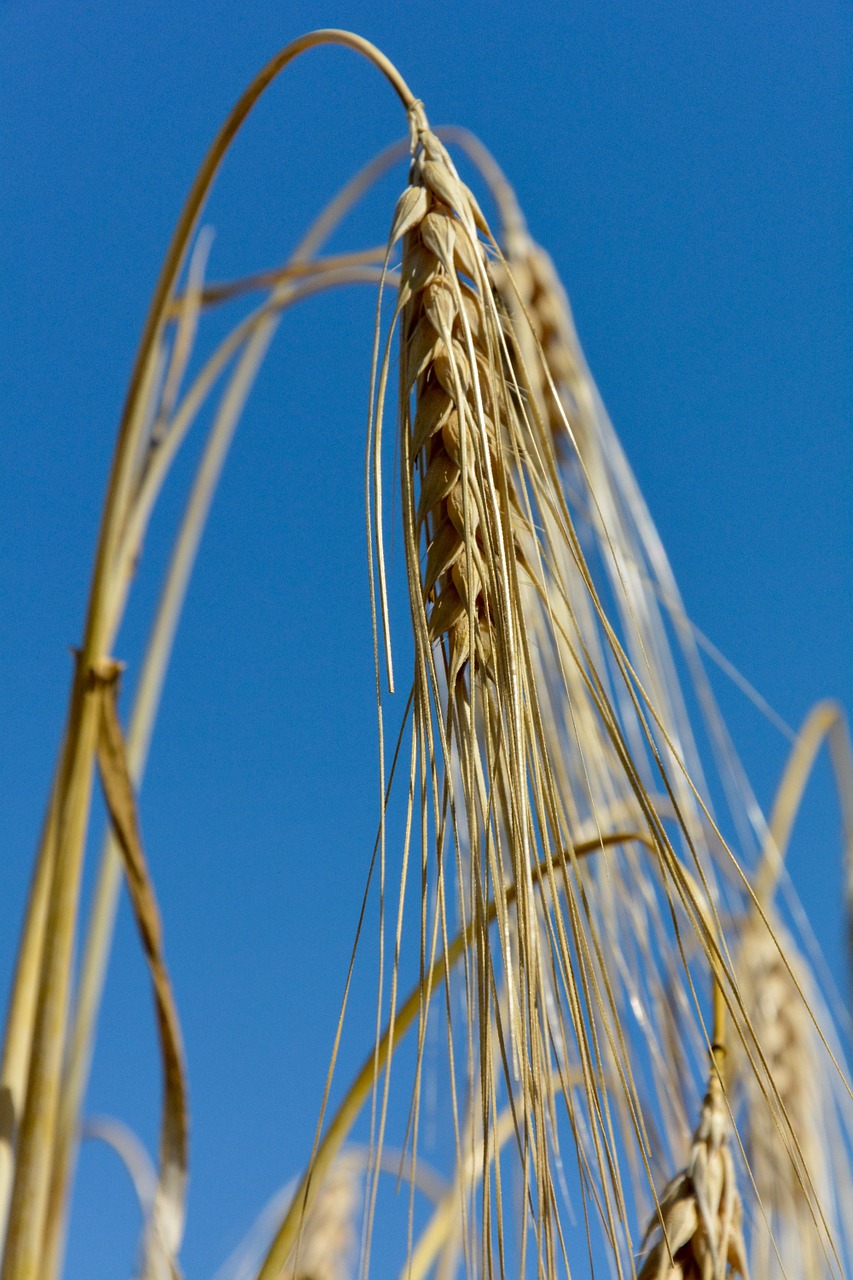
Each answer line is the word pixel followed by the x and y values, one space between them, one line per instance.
pixel 459 423
pixel 554 788
pixel 478 473
pixel 33 1058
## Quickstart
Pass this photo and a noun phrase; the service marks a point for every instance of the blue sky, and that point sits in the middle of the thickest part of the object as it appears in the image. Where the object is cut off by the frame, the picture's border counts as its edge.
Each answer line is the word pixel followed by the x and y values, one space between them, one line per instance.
pixel 687 166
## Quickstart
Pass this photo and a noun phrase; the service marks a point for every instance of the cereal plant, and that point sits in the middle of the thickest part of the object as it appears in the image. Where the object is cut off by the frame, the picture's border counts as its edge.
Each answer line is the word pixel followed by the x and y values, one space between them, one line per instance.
pixel 637 1067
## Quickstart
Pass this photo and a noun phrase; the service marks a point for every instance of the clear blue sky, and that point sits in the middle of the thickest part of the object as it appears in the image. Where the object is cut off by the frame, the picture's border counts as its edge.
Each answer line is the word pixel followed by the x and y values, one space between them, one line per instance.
pixel 688 168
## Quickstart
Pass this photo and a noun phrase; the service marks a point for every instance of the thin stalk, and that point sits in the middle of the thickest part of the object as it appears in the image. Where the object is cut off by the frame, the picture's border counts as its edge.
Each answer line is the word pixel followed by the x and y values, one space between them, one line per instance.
pixel 151 685
pixel 162 300
pixel 825 722
pixel 260 328
pixel 28 1206
pixel 214 295
pixel 719 1015
pixel 20 1019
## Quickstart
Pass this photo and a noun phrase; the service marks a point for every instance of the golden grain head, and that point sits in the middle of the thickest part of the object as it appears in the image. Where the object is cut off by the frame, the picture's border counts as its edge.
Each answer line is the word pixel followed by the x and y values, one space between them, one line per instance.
pixel 700 1211
pixel 784 1100
pixel 457 410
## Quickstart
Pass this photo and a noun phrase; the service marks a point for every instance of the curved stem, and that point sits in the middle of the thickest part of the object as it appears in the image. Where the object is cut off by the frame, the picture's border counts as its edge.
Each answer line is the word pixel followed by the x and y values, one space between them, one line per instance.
pixel 17 1042
pixel 162 299
pixel 22 1254
pixel 131 1152
pixel 402 1020
pixel 825 722
pixel 213 295
pixel 254 334
pixel 326 275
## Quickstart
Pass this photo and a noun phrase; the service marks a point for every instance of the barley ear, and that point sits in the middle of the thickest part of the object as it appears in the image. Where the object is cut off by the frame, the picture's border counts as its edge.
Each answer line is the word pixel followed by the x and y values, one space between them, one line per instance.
pixel 700 1213
pixel 455 407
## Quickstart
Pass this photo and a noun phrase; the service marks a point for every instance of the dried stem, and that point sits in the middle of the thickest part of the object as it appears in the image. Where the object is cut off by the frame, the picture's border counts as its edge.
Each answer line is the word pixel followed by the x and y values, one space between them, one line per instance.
pixel 49 943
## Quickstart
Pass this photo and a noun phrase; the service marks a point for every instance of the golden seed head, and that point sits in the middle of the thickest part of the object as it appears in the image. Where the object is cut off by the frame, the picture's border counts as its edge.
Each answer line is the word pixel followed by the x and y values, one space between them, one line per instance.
pixel 453 395
pixel 700 1211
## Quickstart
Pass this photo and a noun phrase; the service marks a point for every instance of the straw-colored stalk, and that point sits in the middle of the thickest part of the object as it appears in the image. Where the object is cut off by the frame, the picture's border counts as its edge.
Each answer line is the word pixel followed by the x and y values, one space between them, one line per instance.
pixel 35 1044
